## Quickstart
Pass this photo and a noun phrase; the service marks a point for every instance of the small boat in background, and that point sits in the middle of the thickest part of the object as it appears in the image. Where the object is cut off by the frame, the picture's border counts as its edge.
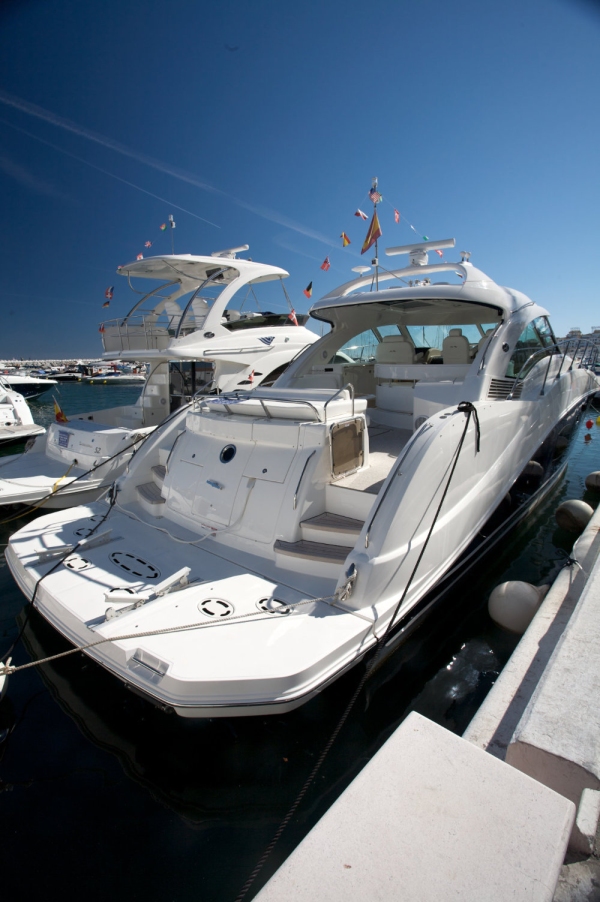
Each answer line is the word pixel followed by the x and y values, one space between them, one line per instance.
pixel 16 421
pixel 30 387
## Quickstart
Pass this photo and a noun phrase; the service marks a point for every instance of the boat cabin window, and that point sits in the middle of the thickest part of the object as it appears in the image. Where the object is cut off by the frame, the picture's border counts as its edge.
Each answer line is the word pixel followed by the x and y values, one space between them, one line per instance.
pixel 535 338
pixel 186 377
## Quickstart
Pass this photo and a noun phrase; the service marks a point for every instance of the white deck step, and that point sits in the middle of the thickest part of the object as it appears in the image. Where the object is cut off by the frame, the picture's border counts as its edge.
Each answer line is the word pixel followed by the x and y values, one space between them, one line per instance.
pixel 313 551
pixel 158 474
pixel 329 528
pixel 150 498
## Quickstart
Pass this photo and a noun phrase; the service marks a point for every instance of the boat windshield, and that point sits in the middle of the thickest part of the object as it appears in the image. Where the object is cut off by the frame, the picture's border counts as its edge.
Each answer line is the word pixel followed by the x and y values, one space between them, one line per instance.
pixel 362 348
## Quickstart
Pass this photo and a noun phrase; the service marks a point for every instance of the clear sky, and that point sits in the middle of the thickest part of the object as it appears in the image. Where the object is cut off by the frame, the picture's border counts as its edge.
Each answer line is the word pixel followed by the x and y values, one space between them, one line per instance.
pixel 263 122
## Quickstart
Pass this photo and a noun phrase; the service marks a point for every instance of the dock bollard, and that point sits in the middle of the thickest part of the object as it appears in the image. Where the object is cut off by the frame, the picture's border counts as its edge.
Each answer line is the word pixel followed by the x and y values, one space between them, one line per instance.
pixel 513 604
pixel 573 515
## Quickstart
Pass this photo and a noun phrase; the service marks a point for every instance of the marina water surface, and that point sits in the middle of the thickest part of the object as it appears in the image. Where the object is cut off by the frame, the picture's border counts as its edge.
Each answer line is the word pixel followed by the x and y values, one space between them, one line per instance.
pixel 103 795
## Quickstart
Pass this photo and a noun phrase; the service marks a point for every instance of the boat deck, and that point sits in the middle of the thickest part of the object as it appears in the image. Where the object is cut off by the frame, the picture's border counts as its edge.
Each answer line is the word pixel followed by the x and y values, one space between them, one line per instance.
pixel 385 445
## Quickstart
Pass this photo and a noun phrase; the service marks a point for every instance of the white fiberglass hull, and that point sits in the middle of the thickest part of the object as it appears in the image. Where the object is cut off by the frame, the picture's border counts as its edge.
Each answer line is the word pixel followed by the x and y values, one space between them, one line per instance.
pixel 211 649
pixel 19 432
pixel 209 668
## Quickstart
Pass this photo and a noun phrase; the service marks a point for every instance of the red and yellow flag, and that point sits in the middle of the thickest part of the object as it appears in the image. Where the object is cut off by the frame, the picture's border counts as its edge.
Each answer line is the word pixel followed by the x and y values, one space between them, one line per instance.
pixel 373 234
pixel 59 416
pixel 345 240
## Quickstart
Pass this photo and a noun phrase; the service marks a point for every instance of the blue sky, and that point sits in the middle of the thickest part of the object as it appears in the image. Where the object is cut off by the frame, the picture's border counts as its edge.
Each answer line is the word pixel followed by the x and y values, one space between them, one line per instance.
pixel 480 121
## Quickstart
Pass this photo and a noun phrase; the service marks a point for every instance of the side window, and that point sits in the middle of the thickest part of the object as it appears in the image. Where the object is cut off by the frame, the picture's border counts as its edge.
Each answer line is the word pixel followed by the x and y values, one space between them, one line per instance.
pixel 534 339
pixel 544 330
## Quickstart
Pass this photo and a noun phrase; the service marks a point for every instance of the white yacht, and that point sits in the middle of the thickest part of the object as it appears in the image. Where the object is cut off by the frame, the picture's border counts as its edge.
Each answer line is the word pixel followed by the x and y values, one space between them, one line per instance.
pixel 192 328
pixel 262 543
pixel 30 387
pixel 16 420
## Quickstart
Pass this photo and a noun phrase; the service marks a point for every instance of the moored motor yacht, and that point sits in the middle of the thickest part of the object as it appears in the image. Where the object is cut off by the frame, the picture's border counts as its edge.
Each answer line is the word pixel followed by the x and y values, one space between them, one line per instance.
pixel 29 386
pixel 261 543
pixel 16 420
pixel 192 329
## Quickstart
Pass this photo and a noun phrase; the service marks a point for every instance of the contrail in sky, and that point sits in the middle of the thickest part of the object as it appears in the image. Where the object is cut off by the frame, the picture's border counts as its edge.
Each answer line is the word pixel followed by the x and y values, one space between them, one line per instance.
pixel 38 112
pixel 105 171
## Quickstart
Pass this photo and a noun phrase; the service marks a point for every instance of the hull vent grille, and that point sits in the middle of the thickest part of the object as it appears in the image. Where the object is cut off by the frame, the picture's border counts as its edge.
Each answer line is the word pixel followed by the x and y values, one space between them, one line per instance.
pixel 501 388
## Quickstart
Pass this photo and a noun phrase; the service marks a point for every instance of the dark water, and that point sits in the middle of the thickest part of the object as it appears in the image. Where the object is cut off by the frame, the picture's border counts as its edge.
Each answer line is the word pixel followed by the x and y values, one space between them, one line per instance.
pixel 102 795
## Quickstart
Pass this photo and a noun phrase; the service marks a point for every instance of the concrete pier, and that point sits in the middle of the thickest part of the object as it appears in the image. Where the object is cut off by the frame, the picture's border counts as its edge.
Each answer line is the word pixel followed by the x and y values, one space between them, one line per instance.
pixel 489 815
pixel 431 818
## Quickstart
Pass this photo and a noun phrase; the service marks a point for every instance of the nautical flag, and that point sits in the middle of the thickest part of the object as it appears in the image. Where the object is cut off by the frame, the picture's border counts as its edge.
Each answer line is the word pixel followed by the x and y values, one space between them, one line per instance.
pixel 109 293
pixel 372 235
pixel 101 329
pixel 345 240
pixel 140 257
pixel 148 244
pixel 292 315
pixel 361 214
pixel 439 253
pixel 307 292
pixel 251 377
pixel 325 264
pixel 106 304
pixel 163 227
pixel 425 238
pixel 375 196
pixel 58 414
pixel 396 215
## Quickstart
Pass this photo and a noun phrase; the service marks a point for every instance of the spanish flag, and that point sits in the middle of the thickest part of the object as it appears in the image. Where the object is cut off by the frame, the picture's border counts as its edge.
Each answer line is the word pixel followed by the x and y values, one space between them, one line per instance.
pixel 308 290
pixel 345 240
pixel 372 235
pixel 58 414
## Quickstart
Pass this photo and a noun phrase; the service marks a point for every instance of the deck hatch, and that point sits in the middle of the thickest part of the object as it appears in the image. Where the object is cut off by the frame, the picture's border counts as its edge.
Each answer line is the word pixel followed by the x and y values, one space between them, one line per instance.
pixel 134 565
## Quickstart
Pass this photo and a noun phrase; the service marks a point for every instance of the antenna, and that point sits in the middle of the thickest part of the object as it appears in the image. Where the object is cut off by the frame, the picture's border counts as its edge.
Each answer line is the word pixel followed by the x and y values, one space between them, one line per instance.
pixel 231 251
pixel 418 252
pixel 172 226
pixel 361 269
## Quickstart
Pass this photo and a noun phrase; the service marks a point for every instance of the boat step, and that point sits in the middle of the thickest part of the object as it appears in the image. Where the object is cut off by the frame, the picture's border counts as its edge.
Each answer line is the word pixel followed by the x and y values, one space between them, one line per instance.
pixel 313 551
pixel 150 493
pixel 158 474
pixel 332 528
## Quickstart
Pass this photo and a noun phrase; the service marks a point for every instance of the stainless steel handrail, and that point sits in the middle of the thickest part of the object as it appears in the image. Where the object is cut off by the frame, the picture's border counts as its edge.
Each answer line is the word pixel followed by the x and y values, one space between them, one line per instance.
pixel 239 396
pixel 211 278
pixel 338 392
pixel 306 463
pixel 551 351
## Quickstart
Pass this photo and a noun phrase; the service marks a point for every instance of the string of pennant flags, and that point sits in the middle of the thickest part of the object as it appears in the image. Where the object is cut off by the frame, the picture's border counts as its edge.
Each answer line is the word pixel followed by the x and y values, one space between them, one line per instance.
pixel 373 234
pixel 109 293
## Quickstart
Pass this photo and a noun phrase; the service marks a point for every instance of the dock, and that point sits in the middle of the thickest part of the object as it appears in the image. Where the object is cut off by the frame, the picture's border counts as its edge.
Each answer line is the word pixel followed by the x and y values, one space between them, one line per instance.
pixel 510 810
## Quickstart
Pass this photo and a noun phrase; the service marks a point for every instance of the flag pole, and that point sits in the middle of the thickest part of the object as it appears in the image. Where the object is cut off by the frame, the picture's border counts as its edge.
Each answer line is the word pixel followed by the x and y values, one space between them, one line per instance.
pixel 374 184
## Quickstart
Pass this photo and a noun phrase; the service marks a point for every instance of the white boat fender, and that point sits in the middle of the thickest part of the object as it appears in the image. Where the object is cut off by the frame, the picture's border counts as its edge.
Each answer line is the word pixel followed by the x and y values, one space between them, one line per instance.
pixel 514 604
pixel 5 670
pixel 573 515
pixel 592 481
